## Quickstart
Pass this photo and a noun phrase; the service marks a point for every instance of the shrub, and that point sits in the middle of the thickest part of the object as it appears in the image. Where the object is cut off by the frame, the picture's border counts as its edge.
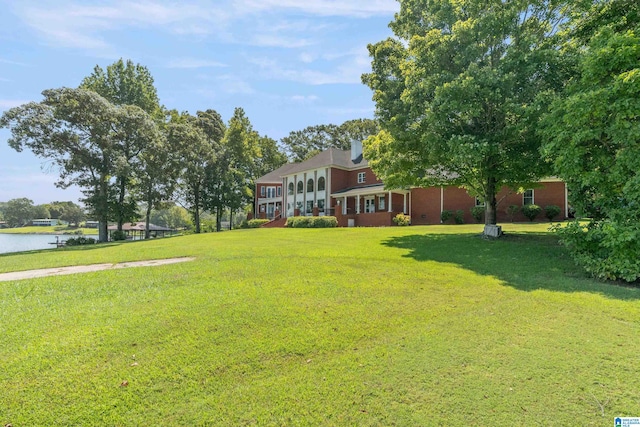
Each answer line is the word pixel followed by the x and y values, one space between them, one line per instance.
pixel 551 212
pixel 531 211
pixel 459 217
pixel 402 219
pixel 118 235
pixel 312 222
pixel 445 215
pixel 477 212
pixel 512 210
pixel 79 241
pixel 256 223
pixel 607 250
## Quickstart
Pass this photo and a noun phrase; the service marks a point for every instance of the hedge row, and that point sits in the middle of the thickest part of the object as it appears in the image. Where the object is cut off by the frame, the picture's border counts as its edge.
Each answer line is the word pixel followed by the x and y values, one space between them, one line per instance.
pixel 312 222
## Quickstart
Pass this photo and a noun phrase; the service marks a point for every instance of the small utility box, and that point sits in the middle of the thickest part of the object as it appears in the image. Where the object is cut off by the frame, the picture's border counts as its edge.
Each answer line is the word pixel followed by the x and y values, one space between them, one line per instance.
pixel 492 230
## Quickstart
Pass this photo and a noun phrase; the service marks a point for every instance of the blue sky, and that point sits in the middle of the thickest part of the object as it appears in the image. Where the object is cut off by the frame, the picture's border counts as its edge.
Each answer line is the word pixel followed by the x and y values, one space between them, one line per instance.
pixel 288 63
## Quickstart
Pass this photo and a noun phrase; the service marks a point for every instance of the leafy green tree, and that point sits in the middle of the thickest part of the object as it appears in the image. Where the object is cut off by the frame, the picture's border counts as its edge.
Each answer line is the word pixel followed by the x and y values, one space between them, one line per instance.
pixel 175 217
pixel 127 85
pixel 41 211
pixel 593 129
pixel 456 94
pixel 241 149
pixel 73 128
pixel 303 144
pixel 73 214
pixel 18 212
pixel 196 155
pixel 57 209
pixel 270 157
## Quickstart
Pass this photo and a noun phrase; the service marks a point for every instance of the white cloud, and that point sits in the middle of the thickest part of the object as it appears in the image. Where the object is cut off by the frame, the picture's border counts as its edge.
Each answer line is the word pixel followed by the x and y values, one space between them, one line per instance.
pixel 10 62
pixel 5 104
pixel 304 99
pixel 351 8
pixel 194 63
pixel 349 71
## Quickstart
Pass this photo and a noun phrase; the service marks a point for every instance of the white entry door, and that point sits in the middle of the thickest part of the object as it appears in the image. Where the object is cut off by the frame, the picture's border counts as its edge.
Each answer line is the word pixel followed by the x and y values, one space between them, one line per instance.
pixel 369 205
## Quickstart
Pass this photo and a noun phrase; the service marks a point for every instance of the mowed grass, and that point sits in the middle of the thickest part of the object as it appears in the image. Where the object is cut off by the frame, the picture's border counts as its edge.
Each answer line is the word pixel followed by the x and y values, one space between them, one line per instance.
pixel 48 229
pixel 373 327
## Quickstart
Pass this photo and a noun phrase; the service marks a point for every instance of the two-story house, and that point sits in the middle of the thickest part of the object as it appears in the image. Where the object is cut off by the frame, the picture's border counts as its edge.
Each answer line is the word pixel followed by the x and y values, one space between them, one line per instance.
pixel 341 183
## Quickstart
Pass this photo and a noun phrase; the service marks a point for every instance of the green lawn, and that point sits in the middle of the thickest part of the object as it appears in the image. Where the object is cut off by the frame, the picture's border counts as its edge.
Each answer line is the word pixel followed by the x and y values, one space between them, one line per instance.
pixel 411 326
pixel 51 229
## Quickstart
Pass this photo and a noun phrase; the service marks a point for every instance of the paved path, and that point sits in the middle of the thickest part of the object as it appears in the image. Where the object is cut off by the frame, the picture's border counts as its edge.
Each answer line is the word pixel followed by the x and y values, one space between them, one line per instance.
pixel 59 271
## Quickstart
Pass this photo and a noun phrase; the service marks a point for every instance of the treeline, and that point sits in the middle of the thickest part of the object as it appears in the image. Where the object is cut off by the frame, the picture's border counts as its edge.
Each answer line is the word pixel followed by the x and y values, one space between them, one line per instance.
pixel 21 211
pixel 113 139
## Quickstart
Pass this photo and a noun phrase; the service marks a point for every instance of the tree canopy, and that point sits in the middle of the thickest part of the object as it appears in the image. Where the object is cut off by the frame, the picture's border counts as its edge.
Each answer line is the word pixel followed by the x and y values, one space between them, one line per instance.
pixel 456 94
pixel 593 133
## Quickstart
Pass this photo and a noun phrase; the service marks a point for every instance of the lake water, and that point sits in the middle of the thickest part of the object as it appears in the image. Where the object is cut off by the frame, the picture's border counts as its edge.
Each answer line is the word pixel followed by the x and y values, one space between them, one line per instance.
pixel 26 242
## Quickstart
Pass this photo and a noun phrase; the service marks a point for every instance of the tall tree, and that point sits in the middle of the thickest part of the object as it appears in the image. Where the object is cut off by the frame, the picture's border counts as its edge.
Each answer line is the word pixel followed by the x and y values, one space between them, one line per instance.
pixel 74 129
pixel 18 212
pixel 73 214
pixel 241 148
pixel 127 84
pixel 303 144
pixel 196 154
pixel 456 94
pixel 270 157
pixel 593 129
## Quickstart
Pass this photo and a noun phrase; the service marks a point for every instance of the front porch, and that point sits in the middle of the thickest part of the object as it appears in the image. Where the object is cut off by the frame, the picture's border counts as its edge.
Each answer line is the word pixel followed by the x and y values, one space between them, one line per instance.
pixel 370 206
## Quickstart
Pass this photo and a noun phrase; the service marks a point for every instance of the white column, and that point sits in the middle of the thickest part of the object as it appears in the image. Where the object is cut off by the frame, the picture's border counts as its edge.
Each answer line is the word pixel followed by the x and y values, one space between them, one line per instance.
pixel 566 201
pixel 441 199
pixel 344 206
pixel 390 208
pixel 404 203
pixel 358 204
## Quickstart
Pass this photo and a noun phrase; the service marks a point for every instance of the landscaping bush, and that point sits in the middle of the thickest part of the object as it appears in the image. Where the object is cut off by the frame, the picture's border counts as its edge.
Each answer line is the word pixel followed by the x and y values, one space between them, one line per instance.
pixel 445 215
pixel 80 241
pixel 512 210
pixel 531 211
pixel 607 250
pixel 402 219
pixel 118 236
pixel 477 212
pixel 256 223
pixel 312 222
pixel 459 217
pixel 552 211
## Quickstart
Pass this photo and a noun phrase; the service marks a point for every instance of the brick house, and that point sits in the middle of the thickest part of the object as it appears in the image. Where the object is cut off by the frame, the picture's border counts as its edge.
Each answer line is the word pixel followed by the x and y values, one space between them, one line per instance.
pixel 341 183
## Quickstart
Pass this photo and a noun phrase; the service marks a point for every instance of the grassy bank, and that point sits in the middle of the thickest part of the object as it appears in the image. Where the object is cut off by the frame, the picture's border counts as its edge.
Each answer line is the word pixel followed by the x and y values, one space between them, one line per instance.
pixel 392 326
pixel 51 229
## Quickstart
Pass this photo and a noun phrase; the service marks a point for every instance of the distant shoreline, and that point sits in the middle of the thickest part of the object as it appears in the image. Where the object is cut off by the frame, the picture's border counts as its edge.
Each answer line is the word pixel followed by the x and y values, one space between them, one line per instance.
pixel 51 230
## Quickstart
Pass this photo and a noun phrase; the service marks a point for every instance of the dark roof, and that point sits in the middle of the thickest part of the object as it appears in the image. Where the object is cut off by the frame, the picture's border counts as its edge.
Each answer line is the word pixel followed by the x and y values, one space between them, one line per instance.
pixel 330 157
pixel 276 175
pixel 357 187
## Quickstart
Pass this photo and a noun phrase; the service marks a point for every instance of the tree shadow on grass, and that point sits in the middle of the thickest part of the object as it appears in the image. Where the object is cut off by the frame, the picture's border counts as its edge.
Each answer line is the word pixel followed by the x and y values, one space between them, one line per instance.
pixel 525 261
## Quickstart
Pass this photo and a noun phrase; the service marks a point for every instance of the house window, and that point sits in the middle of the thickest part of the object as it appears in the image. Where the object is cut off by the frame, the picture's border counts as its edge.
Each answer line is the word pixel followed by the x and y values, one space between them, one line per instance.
pixel 291 188
pixel 321 183
pixel 262 191
pixel 309 206
pixel 381 203
pixel 279 191
pixel 361 177
pixel 310 186
pixel 300 187
pixel 321 205
pixel 527 197
pixel 479 202
pixel 271 192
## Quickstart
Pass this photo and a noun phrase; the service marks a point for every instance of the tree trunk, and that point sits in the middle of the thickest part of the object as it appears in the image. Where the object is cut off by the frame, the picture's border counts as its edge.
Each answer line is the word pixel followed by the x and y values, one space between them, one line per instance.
pixel 102 211
pixel 120 208
pixel 196 209
pixel 146 225
pixel 230 219
pixel 490 210
pixel 218 219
